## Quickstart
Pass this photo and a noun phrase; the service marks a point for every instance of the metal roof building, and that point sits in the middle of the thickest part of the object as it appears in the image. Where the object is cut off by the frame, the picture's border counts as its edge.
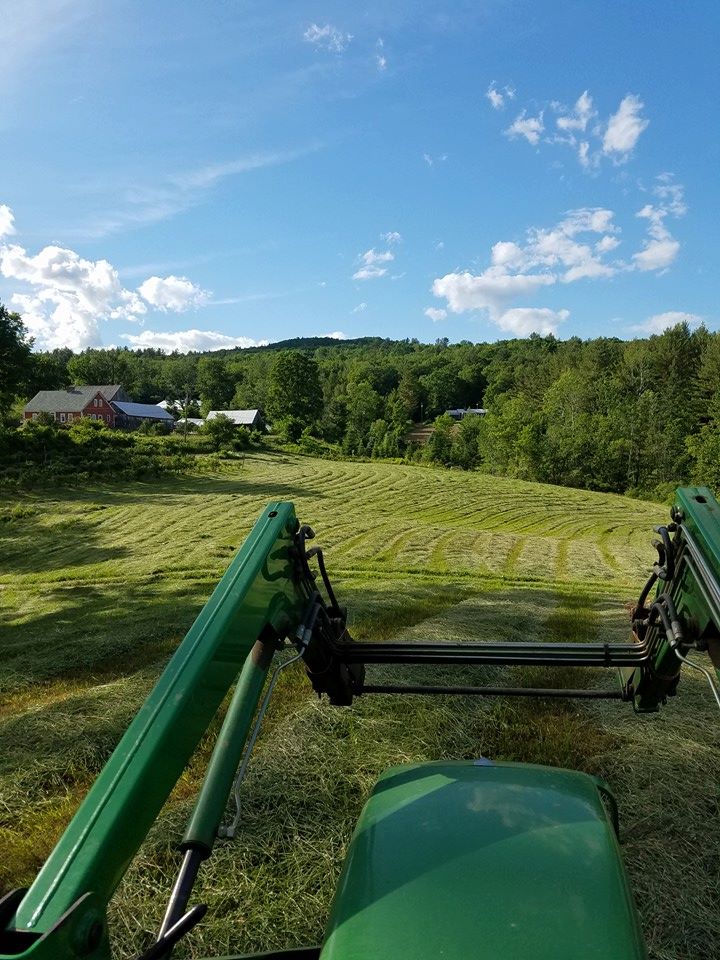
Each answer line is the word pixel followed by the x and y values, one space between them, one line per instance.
pixel 143 411
pixel 241 418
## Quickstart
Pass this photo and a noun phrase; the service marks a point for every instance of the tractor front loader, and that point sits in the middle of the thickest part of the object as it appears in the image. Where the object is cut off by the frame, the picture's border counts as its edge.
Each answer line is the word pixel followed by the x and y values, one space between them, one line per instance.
pixel 452 859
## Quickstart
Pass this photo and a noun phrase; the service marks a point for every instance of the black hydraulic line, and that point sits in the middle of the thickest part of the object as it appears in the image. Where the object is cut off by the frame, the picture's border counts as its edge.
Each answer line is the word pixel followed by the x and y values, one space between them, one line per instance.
pixel 326 580
pixel 163 946
pixel 529 654
pixel 495 691
pixel 182 888
pixel 646 590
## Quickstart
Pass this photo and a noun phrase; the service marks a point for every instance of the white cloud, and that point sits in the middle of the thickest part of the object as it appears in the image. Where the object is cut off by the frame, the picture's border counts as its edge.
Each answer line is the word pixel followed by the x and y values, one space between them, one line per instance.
pixel 498 98
pixel 185 340
pixel 439 244
pixel 661 321
pixel 657 254
pixel 565 253
pixel 580 115
pixel 490 290
pixel 529 127
pixel 606 244
pixel 335 335
pixel 172 293
pixel 577 129
pixel 522 321
pixel 435 313
pixel 360 308
pixel 70 295
pixel 505 253
pixel 327 37
pixel 392 237
pixel 7 221
pixel 66 297
pixel 557 247
pixel 431 161
pixel 370 264
pixel 660 248
pixel 381 62
pixel 624 128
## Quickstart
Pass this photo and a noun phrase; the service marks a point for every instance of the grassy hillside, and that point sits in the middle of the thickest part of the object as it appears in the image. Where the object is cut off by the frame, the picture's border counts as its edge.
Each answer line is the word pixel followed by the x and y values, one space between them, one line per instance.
pixel 98 585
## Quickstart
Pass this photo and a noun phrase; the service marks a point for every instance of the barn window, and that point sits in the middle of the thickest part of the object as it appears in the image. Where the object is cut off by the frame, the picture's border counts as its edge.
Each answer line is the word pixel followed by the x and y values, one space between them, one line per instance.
pixel 62 418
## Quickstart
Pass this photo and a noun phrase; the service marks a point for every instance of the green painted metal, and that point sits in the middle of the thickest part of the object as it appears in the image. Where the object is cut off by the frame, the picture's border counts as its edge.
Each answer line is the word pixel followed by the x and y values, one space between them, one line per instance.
pixel 211 803
pixel 498 861
pixel 699 512
pixel 258 589
pixel 701 517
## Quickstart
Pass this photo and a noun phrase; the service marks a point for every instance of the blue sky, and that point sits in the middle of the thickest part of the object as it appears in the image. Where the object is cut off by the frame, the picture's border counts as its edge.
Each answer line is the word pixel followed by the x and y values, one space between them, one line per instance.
pixel 205 174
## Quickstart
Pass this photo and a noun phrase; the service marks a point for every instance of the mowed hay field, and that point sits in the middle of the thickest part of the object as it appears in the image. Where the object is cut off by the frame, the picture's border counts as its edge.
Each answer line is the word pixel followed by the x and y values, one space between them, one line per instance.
pixel 97 587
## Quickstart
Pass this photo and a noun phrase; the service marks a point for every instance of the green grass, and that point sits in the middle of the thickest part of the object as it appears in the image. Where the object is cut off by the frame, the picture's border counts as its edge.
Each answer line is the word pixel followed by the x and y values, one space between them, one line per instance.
pixel 98 585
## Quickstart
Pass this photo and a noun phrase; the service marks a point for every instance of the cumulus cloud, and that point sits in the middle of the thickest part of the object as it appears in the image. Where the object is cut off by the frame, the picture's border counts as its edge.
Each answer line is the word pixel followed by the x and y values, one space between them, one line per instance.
pixel 64 298
pixel 571 250
pixel 172 293
pixel 435 313
pixel 360 308
pixel 558 247
pixel 7 221
pixel 491 290
pixel 335 335
pixel 661 321
pixel 660 248
pixel 392 237
pixel 529 127
pixel 522 321
pixel 498 98
pixel 579 128
pixel 624 128
pixel 327 37
pixel 580 115
pixel 430 160
pixel 69 295
pixel 184 341
pixel 371 264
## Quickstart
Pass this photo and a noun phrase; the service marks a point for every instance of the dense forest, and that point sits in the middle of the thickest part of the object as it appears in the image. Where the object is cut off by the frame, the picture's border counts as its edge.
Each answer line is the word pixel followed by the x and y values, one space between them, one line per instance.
pixel 633 417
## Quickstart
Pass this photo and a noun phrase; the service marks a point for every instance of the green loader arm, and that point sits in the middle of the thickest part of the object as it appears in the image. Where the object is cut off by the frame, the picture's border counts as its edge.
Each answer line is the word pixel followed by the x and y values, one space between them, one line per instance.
pixel 684 612
pixel 260 599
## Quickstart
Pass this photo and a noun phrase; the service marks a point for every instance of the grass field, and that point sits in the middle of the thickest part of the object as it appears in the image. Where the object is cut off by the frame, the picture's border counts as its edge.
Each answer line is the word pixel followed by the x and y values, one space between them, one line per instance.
pixel 98 585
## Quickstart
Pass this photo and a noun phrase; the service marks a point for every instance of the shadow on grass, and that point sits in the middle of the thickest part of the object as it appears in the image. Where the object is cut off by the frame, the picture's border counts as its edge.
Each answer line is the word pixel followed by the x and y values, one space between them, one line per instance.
pixel 28 545
pixel 120 493
pixel 100 632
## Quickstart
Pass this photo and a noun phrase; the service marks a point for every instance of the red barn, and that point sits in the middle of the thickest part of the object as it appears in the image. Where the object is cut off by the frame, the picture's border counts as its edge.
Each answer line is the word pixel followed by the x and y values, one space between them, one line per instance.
pixel 65 406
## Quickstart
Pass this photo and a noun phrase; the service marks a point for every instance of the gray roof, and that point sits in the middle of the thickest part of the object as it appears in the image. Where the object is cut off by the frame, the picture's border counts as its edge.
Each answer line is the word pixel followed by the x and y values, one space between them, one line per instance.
pixel 71 400
pixel 143 411
pixel 239 417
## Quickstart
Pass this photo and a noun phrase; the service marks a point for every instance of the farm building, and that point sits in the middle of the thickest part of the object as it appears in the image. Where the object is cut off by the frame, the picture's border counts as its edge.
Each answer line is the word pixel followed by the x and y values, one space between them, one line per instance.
pixel 65 406
pixel 461 412
pixel 252 419
pixel 133 414
pixel 107 402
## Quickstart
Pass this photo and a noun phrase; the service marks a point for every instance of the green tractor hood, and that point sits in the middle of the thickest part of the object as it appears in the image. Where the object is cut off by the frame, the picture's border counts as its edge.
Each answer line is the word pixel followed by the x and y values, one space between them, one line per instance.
pixel 464 860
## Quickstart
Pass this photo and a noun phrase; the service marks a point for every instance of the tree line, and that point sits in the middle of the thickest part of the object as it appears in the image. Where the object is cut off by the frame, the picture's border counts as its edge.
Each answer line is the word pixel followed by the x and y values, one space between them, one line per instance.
pixel 637 416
